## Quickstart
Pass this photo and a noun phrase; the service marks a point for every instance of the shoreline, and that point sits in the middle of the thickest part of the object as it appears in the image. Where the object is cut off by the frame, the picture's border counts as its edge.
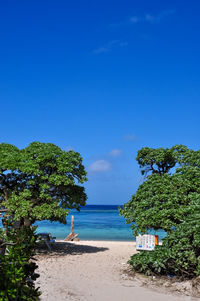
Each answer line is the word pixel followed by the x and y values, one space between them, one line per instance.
pixel 93 240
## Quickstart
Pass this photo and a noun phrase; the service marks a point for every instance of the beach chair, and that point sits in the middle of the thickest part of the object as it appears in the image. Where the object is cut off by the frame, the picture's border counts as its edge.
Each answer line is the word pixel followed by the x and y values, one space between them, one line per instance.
pixel 47 239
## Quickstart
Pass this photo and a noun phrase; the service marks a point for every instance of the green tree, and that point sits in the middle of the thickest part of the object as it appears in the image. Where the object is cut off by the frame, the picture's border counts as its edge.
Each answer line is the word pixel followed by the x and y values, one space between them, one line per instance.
pixel 41 181
pixel 38 182
pixel 168 199
pixel 179 253
pixel 162 200
pixel 160 160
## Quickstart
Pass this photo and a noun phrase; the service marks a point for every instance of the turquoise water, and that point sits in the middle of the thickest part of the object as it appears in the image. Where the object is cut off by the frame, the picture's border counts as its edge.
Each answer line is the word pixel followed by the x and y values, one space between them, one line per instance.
pixel 93 222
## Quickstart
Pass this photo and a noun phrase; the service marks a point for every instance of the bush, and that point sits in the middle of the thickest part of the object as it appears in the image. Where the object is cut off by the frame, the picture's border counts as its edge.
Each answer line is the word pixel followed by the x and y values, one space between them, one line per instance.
pixel 179 254
pixel 17 266
pixel 168 199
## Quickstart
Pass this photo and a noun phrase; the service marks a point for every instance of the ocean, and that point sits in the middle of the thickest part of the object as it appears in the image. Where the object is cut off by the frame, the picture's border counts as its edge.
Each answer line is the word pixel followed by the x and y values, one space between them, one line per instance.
pixel 94 222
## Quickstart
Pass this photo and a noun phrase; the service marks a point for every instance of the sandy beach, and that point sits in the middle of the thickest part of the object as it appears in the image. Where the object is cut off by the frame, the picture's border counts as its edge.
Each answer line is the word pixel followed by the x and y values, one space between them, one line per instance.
pixel 93 271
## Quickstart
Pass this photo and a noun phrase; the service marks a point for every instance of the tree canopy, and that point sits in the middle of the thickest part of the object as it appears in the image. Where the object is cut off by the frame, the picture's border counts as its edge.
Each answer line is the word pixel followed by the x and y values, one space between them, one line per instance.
pixel 163 200
pixel 41 181
pixel 168 199
pixel 160 160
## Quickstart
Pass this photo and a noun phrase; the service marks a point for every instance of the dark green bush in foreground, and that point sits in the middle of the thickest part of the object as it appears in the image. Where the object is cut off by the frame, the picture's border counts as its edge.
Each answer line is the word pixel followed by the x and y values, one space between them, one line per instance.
pixel 17 267
pixel 179 254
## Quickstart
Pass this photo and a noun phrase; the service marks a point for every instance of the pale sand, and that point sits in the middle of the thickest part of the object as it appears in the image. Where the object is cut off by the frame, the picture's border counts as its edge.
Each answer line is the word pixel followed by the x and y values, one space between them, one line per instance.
pixel 93 271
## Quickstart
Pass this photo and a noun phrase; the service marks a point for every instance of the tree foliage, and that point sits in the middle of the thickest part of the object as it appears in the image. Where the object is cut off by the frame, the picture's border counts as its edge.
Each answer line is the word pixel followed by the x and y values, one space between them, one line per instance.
pixel 38 182
pixel 41 181
pixel 17 266
pixel 160 160
pixel 179 255
pixel 162 200
pixel 168 199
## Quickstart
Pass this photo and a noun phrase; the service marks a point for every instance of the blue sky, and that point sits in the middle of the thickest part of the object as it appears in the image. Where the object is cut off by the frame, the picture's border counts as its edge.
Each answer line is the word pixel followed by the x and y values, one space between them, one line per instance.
pixel 104 78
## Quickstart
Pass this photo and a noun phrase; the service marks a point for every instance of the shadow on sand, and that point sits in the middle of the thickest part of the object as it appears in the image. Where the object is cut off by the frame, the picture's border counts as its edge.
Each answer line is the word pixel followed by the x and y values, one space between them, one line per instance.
pixel 68 248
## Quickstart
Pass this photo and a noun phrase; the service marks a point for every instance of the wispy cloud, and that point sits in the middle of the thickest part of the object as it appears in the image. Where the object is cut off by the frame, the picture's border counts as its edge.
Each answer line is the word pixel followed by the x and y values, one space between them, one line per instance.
pixel 109 46
pixel 69 148
pixel 152 18
pixel 158 17
pixel 145 18
pixel 115 153
pixel 100 166
pixel 130 137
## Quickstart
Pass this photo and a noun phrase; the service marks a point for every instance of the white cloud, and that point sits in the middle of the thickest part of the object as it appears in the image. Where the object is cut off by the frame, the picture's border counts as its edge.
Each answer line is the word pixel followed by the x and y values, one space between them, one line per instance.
pixel 157 18
pixel 130 137
pixel 99 166
pixel 152 18
pixel 101 50
pixel 109 46
pixel 148 18
pixel 115 152
pixel 69 148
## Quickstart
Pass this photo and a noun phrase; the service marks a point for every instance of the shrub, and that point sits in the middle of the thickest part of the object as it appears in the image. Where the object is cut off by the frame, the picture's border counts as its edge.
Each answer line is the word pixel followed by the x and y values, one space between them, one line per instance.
pixel 17 266
pixel 179 254
pixel 168 199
